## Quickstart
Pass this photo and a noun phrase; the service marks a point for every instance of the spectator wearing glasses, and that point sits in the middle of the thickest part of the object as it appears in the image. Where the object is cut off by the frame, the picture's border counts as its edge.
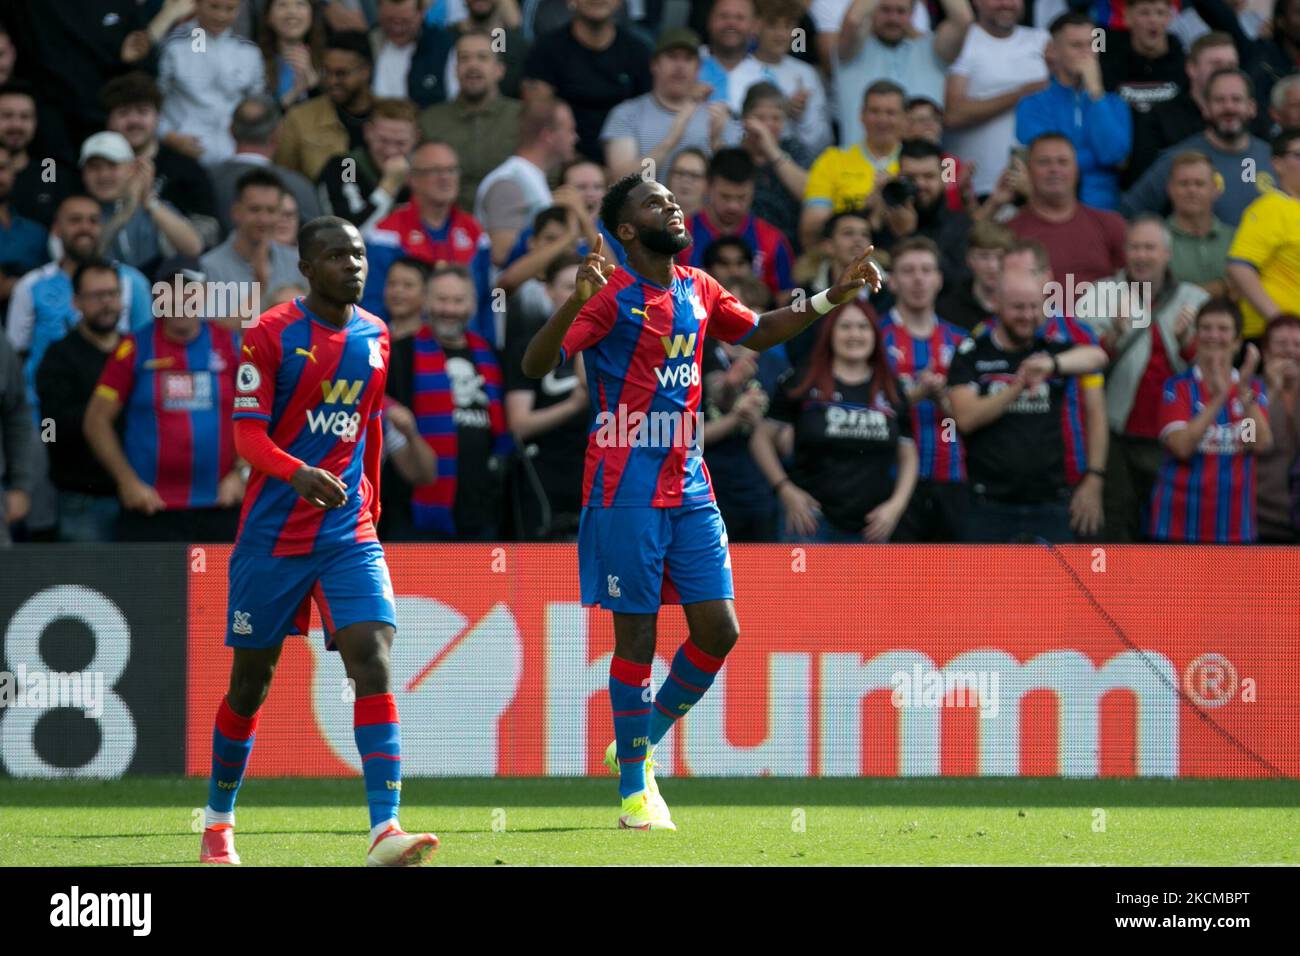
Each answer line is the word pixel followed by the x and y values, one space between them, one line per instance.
pixel 687 178
pixel 333 122
pixel 433 229
pixel 88 503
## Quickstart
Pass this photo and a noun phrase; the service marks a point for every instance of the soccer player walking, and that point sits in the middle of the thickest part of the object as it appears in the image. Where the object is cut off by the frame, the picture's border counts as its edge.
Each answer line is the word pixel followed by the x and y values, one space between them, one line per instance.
pixel 650 531
pixel 309 395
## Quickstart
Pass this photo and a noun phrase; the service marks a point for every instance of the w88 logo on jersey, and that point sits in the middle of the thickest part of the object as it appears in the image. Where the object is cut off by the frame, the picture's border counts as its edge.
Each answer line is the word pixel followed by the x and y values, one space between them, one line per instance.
pixel 681 375
pixel 338 423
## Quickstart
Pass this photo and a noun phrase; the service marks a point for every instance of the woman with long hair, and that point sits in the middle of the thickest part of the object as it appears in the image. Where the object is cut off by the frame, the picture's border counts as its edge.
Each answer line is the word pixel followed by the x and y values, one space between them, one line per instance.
pixel 846 422
pixel 292 39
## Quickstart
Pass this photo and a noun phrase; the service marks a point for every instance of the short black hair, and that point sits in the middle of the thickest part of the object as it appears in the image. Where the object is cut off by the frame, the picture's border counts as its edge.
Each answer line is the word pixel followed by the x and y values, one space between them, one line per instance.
pixel 18 88
pixel 828 230
pixel 919 149
pixel 1227 307
pixel 410 262
pixel 130 89
pixel 1283 140
pixel 559 264
pixel 549 215
pixel 353 41
pixel 735 165
pixel 94 264
pixel 615 202
pixel 715 249
pixel 761 92
pixel 312 231
pixel 258 177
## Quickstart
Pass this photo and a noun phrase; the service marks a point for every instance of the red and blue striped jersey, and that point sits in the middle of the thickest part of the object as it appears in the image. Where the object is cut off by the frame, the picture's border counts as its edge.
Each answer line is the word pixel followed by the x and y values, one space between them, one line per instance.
pixel 317 387
pixel 1074 436
pixel 461 240
pixel 642 348
pixel 177 398
pixel 1209 498
pixel 773 258
pixel 939 446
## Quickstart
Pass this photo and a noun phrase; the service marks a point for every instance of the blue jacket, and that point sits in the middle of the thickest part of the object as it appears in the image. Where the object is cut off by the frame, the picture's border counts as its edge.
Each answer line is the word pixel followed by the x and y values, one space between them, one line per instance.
pixel 1101 131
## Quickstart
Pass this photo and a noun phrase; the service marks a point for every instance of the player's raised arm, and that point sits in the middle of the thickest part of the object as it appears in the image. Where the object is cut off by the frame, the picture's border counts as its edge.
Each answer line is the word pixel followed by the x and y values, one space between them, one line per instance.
pixel 782 324
pixel 543 352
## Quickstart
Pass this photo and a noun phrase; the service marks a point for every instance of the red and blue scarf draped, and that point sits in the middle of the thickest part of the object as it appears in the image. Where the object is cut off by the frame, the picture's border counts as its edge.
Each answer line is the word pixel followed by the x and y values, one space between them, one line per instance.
pixel 434 405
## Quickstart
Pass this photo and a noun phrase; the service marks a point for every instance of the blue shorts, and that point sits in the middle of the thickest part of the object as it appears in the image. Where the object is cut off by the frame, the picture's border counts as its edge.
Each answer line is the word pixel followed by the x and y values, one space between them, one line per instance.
pixel 270 597
pixel 632 560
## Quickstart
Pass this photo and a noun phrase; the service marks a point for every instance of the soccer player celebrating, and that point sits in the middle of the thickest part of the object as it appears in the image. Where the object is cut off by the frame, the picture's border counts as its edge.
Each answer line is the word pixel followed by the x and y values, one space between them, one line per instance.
pixel 309 394
pixel 650 531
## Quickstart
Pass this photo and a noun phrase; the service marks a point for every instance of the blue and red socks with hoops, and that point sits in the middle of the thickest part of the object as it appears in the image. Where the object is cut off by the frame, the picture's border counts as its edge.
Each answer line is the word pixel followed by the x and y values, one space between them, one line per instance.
pixel 691 674
pixel 379 741
pixel 232 743
pixel 629 696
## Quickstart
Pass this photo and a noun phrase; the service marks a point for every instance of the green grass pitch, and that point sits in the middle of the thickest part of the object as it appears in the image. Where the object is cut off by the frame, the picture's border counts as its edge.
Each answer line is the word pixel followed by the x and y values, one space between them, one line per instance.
pixel 523 822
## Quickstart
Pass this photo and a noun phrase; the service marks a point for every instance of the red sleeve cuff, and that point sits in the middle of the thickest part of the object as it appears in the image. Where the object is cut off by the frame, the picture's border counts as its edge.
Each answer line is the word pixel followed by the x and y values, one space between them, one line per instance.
pixel 254 445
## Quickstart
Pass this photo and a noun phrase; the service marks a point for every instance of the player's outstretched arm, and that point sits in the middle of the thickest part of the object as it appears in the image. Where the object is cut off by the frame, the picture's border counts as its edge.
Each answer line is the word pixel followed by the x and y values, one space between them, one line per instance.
pixel 782 324
pixel 543 352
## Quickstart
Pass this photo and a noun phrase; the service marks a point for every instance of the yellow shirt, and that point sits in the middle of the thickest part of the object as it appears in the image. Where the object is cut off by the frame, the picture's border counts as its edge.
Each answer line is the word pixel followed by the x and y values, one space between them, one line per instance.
pixel 844 178
pixel 1269 239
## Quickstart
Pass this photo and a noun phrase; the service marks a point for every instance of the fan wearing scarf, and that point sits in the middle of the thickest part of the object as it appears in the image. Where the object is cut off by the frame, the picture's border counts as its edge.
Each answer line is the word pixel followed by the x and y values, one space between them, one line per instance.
pixel 457 401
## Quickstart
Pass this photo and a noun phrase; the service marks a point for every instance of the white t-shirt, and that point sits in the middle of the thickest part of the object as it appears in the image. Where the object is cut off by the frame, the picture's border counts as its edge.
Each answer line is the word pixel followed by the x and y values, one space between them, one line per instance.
pixel 524 194
pixel 392 67
pixel 827 15
pixel 993 66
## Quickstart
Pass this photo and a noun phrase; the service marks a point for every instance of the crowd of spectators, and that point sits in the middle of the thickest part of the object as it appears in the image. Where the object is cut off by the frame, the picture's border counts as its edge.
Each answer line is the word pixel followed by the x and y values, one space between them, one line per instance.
pixel 1088 215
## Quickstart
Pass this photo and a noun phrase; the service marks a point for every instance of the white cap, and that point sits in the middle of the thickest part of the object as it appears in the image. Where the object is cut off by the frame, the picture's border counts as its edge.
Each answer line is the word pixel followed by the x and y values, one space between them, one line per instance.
pixel 108 145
